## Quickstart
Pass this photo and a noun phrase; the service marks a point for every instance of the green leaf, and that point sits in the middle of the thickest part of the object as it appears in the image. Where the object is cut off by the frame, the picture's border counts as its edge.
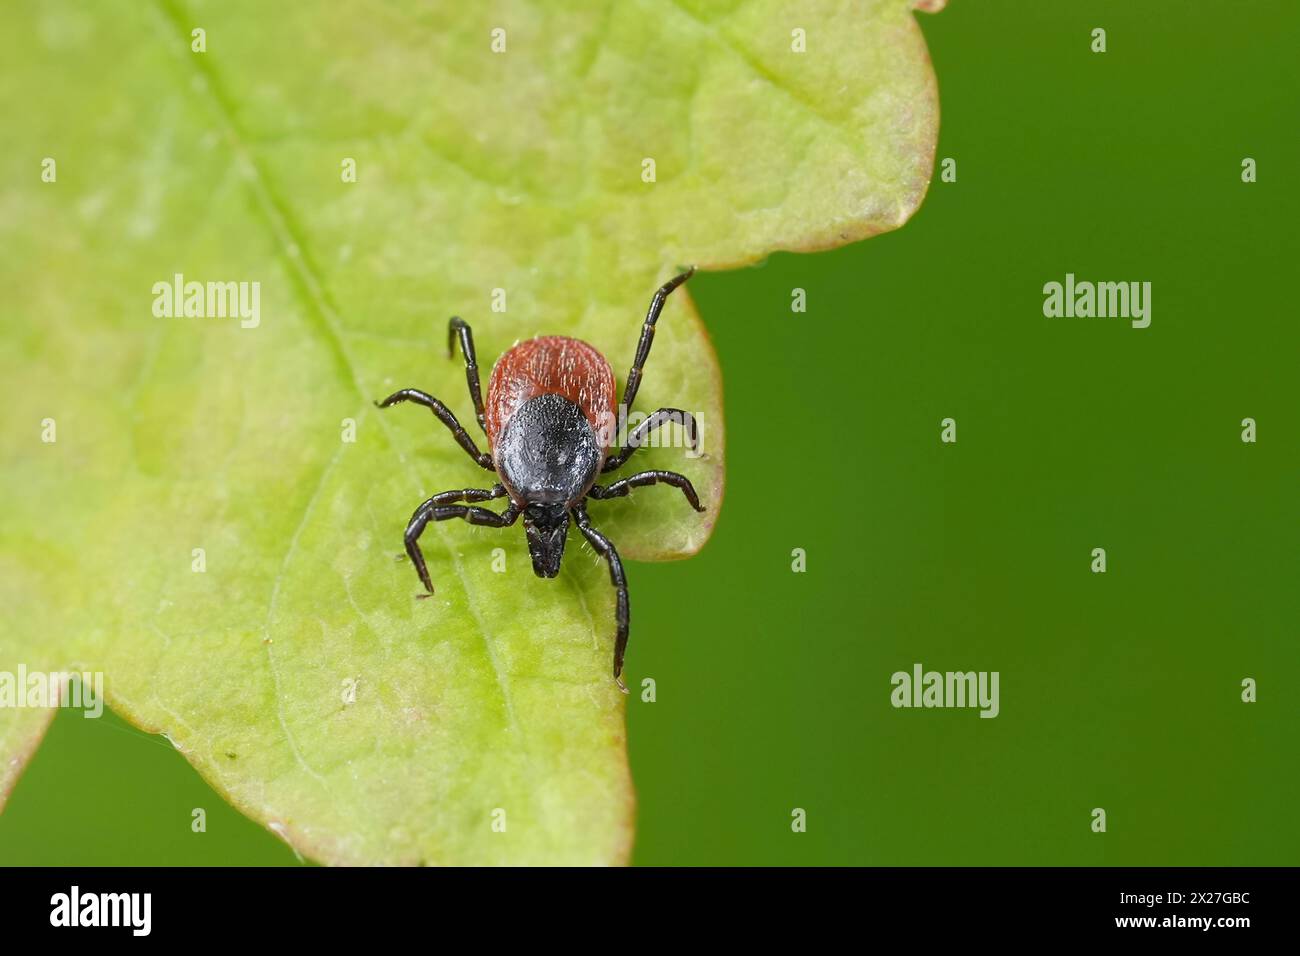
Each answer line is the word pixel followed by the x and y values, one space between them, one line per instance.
pixel 476 170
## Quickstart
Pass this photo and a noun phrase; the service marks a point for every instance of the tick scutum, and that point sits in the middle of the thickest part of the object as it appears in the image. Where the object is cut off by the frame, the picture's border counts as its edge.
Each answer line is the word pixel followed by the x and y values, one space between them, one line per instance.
pixel 548 453
pixel 547 456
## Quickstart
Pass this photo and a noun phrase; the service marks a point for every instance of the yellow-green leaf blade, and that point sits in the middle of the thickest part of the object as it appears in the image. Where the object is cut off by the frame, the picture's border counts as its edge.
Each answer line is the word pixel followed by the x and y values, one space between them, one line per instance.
pixel 296 670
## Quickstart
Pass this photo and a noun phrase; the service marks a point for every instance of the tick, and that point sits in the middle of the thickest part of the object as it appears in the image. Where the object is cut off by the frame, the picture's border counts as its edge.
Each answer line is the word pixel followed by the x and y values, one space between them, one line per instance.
pixel 551 407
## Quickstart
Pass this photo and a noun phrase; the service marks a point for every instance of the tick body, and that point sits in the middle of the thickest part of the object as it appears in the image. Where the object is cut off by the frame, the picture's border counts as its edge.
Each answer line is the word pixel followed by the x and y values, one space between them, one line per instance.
pixel 550 420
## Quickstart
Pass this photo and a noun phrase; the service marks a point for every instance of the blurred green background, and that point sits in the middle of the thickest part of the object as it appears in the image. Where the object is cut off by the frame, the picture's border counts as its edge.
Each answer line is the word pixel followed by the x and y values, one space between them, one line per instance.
pixel 1120 690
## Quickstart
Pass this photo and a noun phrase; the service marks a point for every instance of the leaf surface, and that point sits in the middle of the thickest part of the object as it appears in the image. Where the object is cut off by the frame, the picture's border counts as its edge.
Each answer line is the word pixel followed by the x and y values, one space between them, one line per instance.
pixel 296 671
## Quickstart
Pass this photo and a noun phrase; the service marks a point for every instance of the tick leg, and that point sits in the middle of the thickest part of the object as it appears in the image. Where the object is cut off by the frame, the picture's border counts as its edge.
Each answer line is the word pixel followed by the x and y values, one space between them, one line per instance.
pixel 446 417
pixel 606 550
pixel 620 489
pixel 647 336
pixel 457 327
pixel 638 436
pixel 479 516
pixel 438 508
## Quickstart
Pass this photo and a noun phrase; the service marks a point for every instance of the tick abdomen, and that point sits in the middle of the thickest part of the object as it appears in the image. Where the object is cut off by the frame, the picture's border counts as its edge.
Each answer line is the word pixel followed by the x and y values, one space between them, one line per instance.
pixel 551 365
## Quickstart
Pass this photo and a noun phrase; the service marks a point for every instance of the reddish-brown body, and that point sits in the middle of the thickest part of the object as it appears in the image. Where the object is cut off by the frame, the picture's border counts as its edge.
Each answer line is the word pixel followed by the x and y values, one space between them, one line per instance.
pixel 550 417
pixel 551 365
